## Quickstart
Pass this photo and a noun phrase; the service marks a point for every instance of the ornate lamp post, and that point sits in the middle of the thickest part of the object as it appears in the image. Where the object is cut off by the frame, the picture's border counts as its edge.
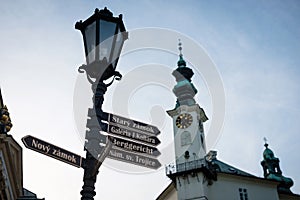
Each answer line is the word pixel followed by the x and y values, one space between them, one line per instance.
pixel 103 37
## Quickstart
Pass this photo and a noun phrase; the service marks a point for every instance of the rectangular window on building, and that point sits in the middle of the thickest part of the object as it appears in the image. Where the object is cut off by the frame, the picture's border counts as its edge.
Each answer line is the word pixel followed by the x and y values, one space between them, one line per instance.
pixel 243 194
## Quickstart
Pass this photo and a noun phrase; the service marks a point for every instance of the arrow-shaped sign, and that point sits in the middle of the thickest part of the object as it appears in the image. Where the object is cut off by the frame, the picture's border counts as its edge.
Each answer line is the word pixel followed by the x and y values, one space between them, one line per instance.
pixel 132 158
pixel 134 135
pixel 134 147
pixel 134 125
pixel 52 151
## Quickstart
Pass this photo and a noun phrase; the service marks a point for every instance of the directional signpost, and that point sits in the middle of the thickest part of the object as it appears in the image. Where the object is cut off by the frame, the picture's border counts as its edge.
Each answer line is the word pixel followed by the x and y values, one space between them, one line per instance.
pixel 133 135
pixel 135 159
pixel 134 147
pixel 135 125
pixel 133 141
pixel 52 151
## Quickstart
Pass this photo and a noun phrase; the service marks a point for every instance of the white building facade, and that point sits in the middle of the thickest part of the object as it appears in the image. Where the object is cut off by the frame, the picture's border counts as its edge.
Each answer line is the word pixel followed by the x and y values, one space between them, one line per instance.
pixel 198 175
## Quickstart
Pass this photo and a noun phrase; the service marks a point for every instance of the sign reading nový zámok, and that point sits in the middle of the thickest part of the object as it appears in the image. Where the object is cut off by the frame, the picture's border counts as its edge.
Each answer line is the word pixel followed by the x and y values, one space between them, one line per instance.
pixel 52 150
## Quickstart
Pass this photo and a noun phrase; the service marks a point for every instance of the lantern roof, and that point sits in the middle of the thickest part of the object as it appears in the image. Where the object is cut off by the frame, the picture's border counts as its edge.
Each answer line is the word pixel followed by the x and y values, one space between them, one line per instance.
pixel 103 14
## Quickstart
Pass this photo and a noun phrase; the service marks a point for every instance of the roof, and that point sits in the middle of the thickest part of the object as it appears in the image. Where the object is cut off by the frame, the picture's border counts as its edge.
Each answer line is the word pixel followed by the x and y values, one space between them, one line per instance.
pixel 28 195
pixel 228 169
pixel 167 190
pixel 289 196
pixel 225 168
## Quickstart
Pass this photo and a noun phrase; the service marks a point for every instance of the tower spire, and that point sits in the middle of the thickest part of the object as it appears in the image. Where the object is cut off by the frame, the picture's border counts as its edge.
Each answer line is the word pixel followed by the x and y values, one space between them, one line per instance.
pixel 272 170
pixel 181 62
pixel 184 89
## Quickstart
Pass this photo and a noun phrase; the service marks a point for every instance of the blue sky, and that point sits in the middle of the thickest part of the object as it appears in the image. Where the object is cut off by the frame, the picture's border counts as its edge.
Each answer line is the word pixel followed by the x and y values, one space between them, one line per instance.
pixel 255 46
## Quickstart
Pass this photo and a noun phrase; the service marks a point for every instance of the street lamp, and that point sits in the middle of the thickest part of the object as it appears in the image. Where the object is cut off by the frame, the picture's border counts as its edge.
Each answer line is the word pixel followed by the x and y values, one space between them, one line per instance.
pixel 103 37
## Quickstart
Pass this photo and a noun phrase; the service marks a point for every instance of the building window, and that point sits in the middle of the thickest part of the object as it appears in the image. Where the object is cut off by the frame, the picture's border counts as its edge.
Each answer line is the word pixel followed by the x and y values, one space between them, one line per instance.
pixel 243 194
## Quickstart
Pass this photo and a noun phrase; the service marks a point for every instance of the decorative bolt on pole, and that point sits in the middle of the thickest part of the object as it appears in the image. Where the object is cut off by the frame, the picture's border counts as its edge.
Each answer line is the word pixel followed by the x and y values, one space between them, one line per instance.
pixel 103 36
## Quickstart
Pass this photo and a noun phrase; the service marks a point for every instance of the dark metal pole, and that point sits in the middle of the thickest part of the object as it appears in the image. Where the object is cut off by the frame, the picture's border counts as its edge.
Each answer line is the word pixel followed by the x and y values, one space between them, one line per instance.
pixel 89 180
pixel 97 146
pixel 93 139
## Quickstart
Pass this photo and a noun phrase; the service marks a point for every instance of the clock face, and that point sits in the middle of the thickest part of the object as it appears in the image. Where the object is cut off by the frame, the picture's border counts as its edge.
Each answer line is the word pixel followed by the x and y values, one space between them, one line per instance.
pixel 184 120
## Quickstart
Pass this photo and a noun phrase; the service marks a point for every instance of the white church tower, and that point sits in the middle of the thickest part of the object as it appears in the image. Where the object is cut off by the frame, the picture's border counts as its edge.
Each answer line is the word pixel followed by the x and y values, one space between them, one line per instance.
pixel 191 172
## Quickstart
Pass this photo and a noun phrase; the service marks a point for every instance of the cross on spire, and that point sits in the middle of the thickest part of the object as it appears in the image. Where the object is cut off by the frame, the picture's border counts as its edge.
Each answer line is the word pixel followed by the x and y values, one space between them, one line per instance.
pixel 181 62
pixel 266 144
pixel 180 47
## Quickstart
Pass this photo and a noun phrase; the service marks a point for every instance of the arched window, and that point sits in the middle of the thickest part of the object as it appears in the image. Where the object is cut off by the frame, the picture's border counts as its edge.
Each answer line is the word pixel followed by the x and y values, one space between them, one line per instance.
pixel 186 138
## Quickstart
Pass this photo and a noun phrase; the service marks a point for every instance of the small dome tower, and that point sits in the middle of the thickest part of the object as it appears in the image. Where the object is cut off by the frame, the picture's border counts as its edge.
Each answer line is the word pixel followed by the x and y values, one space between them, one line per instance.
pixel 272 170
